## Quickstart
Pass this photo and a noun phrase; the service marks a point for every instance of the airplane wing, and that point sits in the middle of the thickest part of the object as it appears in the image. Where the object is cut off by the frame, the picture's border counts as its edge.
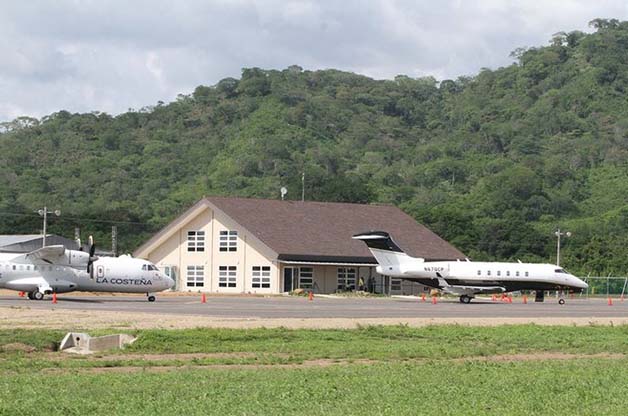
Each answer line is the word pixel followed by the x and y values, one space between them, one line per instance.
pixel 468 290
pixel 48 254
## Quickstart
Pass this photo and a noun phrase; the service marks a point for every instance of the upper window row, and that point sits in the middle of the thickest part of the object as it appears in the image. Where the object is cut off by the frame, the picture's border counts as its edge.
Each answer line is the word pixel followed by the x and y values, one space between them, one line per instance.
pixel 227 241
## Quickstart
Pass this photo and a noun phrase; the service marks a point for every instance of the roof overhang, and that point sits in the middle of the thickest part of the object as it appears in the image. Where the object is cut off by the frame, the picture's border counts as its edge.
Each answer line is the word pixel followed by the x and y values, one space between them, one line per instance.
pixel 321 263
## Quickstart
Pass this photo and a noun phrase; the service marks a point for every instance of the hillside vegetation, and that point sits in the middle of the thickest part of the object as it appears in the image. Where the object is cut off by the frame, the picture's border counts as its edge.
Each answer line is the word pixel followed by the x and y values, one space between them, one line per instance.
pixel 494 163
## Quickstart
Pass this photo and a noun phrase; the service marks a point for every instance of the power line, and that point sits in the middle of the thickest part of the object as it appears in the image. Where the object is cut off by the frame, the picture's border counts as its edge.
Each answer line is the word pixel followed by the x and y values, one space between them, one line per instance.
pixel 65 217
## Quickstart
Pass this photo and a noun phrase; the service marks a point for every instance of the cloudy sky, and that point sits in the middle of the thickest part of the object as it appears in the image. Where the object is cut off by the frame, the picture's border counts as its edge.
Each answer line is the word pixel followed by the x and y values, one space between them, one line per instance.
pixel 110 55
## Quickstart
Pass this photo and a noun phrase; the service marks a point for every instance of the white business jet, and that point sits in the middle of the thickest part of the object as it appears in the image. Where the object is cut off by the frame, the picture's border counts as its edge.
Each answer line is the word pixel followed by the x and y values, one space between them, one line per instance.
pixel 55 269
pixel 466 278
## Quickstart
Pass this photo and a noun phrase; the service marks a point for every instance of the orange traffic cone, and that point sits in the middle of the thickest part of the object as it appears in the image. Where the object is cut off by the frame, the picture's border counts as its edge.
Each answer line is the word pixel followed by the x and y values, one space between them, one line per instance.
pixel 311 296
pixel 54 297
pixel 434 300
pixel 21 294
pixel 610 301
pixel 525 299
pixel 203 298
pixel 422 297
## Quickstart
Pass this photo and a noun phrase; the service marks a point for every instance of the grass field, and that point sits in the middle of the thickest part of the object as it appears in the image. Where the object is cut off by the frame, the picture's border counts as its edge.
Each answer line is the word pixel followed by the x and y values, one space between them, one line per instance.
pixel 373 370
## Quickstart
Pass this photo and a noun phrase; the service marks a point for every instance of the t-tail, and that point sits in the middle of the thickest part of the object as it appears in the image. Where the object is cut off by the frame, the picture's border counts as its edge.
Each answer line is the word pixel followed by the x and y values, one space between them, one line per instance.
pixel 384 249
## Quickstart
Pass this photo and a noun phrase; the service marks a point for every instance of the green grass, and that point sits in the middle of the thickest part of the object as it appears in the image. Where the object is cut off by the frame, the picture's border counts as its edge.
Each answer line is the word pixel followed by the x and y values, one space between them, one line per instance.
pixel 583 387
pixel 411 371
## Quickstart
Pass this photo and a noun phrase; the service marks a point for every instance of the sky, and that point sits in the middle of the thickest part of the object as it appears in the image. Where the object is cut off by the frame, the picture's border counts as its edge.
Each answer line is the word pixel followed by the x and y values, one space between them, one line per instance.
pixel 110 55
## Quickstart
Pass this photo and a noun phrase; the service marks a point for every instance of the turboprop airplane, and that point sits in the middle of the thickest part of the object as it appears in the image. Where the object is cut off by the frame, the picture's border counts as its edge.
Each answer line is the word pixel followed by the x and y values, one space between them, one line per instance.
pixel 55 269
pixel 466 278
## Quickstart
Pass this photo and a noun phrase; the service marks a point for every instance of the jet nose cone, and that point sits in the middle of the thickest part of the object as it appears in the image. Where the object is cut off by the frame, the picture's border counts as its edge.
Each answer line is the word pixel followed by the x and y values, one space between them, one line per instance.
pixel 169 283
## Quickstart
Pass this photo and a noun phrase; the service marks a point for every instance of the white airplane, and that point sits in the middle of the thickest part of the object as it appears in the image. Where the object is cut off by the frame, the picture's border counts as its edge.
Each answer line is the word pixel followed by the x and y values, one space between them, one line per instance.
pixel 466 278
pixel 54 269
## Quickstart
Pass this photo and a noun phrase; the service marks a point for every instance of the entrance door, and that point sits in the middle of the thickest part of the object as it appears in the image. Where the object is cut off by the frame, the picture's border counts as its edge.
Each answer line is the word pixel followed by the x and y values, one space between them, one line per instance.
pixel 288 278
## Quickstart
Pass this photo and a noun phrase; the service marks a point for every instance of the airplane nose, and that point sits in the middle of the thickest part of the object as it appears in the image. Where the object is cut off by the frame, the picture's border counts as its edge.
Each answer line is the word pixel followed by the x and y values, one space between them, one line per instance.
pixel 169 282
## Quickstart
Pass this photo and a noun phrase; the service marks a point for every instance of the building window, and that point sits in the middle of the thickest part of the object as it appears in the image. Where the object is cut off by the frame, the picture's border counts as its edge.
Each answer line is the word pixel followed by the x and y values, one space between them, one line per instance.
pixel 196 240
pixel 227 276
pixel 228 241
pixel 261 277
pixel 195 276
pixel 395 284
pixel 306 278
pixel 346 278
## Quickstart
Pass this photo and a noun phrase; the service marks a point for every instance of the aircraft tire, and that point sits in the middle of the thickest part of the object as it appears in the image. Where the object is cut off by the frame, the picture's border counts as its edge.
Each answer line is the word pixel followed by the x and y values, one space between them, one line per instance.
pixel 465 299
pixel 561 301
pixel 30 295
pixel 151 298
pixel 37 295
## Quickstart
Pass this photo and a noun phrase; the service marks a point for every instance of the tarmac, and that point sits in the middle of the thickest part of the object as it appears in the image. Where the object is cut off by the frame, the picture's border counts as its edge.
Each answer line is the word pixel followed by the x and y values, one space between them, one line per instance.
pixel 281 307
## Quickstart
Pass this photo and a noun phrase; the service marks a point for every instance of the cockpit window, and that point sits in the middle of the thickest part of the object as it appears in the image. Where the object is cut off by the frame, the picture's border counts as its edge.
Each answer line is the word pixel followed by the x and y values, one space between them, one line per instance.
pixel 149 267
pixel 559 271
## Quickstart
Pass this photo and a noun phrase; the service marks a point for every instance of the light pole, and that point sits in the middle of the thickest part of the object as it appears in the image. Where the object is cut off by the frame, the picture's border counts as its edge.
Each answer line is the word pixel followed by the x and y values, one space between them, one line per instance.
pixel 44 213
pixel 558 234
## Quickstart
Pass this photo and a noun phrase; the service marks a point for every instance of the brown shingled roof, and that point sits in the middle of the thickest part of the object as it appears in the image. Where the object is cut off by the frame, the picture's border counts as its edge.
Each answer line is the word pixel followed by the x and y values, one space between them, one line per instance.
pixel 322 231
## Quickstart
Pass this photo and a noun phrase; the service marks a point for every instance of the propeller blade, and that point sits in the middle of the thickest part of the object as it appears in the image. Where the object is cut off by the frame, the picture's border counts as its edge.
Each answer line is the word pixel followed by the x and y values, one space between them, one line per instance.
pixel 92 258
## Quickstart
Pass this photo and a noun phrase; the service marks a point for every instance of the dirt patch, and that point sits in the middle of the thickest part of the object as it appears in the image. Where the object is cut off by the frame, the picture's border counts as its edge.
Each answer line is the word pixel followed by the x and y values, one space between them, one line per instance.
pixel 542 356
pixel 83 319
pixel 17 346
pixel 333 362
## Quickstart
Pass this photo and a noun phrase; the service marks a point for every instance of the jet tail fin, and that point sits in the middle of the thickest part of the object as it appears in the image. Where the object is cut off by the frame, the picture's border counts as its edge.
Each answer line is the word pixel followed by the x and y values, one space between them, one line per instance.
pixel 383 248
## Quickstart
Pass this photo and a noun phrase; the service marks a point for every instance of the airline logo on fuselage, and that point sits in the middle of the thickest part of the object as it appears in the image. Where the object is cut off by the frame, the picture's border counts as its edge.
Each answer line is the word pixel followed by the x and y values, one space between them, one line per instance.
pixel 116 281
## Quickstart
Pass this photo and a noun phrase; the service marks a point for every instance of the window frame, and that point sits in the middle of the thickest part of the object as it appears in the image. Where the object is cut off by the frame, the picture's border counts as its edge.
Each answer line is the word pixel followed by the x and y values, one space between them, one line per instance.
pixel 196 271
pixel 196 241
pixel 344 279
pixel 228 241
pixel 260 277
pixel 228 277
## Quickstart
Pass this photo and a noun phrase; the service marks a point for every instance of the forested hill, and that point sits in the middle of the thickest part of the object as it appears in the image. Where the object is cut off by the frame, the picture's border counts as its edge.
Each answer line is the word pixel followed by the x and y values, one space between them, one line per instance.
pixel 494 163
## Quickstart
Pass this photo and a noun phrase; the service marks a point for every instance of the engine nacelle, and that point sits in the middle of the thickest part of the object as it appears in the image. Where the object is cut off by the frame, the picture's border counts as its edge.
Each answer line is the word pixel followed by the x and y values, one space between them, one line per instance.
pixel 75 258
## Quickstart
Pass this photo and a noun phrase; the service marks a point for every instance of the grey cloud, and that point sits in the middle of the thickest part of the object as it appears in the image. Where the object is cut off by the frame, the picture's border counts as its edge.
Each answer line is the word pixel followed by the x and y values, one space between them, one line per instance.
pixel 109 56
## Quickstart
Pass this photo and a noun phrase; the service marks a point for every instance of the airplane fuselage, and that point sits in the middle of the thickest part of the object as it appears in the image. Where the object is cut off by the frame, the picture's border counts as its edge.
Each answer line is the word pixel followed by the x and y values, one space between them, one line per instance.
pixel 499 276
pixel 110 274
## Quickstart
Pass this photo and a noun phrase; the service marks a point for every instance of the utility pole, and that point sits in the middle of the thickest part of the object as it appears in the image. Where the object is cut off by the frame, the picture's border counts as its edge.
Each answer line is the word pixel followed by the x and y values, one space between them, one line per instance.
pixel 303 187
pixel 114 240
pixel 44 213
pixel 558 234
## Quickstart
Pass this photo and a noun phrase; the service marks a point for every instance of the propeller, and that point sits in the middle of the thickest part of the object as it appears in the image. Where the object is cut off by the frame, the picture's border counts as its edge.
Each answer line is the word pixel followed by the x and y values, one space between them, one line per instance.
pixel 92 258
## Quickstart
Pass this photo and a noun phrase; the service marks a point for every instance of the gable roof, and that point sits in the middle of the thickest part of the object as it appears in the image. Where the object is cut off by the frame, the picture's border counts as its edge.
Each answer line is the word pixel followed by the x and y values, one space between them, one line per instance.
pixel 322 231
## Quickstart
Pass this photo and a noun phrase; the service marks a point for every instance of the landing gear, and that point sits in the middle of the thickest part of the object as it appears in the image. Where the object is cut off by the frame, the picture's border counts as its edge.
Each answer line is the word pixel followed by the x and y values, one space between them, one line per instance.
pixel 36 295
pixel 561 301
pixel 151 298
pixel 465 299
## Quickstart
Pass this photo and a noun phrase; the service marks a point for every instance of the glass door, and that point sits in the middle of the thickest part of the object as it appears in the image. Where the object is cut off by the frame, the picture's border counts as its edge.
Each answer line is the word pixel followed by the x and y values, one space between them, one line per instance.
pixel 288 279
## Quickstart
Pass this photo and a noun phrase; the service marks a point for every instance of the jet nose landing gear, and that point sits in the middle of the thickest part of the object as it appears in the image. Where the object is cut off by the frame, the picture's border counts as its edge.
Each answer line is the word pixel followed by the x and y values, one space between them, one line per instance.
pixel 465 299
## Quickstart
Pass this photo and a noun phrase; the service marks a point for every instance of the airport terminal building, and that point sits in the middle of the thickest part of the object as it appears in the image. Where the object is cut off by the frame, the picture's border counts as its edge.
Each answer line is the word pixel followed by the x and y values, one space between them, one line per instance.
pixel 244 245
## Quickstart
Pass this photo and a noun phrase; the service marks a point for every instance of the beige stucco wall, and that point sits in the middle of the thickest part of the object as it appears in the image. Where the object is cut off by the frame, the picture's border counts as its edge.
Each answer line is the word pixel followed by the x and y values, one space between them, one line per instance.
pixel 250 252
